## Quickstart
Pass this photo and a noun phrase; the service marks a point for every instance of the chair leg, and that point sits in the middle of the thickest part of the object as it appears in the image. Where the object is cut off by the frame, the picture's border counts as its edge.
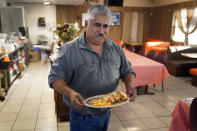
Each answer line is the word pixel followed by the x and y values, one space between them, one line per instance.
pixel 2 98
pixel 5 81
pixel 162 87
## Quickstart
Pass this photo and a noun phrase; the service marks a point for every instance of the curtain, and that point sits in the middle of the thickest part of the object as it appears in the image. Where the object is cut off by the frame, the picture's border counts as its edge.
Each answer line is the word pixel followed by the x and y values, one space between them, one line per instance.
pixel 137 27
pixel 133 27
pixel 187 25
pixel 173 25
pixel 126 27
pixel 140 27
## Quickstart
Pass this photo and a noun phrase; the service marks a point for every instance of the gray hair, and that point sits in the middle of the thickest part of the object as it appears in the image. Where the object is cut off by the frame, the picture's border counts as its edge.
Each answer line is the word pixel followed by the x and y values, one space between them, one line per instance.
pixel 98 9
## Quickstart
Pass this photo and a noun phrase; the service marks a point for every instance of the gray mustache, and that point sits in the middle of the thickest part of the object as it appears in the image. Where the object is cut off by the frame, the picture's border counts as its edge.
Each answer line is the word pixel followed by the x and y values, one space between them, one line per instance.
pixel 100 34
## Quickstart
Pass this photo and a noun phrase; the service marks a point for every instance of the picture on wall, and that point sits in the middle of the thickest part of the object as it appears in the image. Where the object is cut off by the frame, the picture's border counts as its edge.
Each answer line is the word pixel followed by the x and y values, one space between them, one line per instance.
pixel 115 18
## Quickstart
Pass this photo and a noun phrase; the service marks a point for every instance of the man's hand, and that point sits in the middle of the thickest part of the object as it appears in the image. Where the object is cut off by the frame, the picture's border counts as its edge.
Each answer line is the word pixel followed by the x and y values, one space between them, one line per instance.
pixel 76 100
pixel 131 93
pixel 130 88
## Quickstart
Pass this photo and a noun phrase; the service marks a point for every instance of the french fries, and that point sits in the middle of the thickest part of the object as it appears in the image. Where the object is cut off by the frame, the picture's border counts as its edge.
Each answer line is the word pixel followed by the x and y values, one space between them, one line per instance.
pixel 110 99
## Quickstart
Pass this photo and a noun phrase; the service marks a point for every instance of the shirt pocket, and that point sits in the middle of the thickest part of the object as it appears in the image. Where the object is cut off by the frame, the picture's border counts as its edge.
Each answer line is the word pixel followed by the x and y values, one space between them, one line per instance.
pixel 112 69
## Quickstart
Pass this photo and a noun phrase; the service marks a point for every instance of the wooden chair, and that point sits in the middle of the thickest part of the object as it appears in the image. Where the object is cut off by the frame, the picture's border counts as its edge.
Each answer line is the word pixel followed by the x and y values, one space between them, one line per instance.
pixel 161 58
pixel 120 42
pixel 193 115
pixel 151 54
pixel 2 98
pixel 141 52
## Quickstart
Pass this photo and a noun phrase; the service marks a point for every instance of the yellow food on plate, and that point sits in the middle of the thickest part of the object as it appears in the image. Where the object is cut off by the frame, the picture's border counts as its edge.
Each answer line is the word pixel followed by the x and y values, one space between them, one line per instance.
pixel 101 102
pixel 110 99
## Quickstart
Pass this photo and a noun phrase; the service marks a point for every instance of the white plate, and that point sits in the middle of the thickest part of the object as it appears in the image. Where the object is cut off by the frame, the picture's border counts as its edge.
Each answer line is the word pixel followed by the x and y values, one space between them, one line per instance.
pixel 89 101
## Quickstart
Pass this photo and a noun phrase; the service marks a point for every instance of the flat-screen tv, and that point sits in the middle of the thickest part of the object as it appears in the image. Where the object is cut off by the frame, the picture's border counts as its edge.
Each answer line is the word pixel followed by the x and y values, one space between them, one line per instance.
pixel 11 19
pixel 115 20
pixel 114 2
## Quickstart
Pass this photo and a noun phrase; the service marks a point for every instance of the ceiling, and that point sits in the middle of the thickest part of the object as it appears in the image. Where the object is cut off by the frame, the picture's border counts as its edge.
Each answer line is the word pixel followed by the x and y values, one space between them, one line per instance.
pixel 58 2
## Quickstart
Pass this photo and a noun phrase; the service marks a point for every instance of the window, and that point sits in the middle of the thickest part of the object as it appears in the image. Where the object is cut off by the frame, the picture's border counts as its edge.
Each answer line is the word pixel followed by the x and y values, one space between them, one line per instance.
pixel 178 35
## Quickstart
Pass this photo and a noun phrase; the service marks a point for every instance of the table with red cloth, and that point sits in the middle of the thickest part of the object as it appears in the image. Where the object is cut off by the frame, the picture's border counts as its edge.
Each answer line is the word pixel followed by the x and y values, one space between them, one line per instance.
pixel 180 117
pixel 147 71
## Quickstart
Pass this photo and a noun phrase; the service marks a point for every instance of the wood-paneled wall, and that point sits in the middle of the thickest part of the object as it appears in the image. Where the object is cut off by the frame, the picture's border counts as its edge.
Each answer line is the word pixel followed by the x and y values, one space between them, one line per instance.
pixel 70 14
pixel 156 24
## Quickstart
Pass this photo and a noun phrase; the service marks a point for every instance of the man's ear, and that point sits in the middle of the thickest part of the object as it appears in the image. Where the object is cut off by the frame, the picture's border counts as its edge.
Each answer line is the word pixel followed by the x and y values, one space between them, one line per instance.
pixel 86 23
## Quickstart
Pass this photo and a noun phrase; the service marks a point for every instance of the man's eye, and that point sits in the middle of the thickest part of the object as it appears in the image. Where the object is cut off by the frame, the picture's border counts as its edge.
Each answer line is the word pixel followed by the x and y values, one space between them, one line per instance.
pixel 105 26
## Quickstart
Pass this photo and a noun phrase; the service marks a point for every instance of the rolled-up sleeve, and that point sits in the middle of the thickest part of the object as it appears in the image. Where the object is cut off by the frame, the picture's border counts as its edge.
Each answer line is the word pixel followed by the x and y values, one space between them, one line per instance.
pixel 126 66
pixel 61 68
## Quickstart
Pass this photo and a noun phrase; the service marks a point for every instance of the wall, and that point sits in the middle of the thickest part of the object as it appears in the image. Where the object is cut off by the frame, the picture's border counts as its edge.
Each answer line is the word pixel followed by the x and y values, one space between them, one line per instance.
pixel 138 3
pixel 161 20
pixel 64 14
pixel 32 12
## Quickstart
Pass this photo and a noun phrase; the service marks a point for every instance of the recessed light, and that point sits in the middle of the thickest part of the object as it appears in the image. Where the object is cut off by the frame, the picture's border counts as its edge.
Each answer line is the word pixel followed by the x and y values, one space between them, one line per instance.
pixel 46 2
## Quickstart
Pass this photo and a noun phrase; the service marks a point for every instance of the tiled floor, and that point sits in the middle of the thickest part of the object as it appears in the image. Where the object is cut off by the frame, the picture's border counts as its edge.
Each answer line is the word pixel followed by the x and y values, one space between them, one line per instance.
pixel 29 105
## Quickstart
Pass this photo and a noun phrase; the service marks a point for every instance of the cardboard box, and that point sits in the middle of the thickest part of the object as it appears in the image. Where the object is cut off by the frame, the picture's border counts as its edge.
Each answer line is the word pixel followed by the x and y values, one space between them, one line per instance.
pixel 34 56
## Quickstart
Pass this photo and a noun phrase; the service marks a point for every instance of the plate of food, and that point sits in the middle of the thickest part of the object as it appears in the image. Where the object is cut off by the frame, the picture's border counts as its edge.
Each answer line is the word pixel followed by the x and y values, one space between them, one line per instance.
pixel 109 100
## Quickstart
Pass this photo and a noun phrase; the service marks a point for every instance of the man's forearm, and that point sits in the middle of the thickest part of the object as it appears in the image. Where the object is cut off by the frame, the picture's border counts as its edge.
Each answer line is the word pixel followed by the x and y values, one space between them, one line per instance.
pixel 76 99
pixel 62 87
pixel 130 87
pixel 129 80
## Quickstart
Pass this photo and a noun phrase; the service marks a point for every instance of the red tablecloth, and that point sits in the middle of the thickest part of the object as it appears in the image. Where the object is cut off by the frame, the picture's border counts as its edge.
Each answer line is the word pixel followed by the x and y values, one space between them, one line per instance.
pixel 147 70
pixel 180 117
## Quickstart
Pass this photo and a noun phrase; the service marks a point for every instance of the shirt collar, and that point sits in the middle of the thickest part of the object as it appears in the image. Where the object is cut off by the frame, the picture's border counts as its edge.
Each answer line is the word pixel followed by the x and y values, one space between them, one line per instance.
pixel 84 44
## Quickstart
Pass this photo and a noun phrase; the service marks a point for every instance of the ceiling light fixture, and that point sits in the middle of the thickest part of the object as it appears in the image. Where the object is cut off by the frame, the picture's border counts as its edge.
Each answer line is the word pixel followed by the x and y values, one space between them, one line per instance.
pixel 46 2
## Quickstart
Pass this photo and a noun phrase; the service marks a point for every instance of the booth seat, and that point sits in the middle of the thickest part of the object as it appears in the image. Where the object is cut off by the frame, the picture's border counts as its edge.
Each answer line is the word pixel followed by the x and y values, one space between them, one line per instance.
pixel 177 64
pixel 193 72
pixel 158 47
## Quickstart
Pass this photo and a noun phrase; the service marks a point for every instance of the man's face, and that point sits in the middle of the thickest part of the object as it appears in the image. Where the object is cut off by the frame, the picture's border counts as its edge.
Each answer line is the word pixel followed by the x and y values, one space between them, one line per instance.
pixel 98 29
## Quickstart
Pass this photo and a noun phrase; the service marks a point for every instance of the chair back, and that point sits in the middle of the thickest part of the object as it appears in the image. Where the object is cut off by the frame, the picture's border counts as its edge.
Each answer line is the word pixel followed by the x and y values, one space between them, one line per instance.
pixel 161 58
pixel 193 115
pixel 120 42
pixel 141 52
pixel 151 54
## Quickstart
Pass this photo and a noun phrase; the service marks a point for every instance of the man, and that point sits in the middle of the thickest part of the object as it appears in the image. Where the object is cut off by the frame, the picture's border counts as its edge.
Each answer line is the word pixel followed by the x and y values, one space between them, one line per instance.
pixel 91 65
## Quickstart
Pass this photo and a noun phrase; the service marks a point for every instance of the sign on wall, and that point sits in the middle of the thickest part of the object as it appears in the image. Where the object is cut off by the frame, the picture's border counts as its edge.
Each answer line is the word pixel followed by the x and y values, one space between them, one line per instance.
pixel 115 18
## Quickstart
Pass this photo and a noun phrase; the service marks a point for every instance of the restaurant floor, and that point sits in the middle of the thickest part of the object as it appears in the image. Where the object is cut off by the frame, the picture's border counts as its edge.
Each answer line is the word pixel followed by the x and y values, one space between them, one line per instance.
pixel 29 105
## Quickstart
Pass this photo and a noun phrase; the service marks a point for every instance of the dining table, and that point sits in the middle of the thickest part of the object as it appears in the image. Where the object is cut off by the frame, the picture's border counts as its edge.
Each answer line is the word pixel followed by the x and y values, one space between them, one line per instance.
pixel 147 70
pixel 190 55
pixel 180 115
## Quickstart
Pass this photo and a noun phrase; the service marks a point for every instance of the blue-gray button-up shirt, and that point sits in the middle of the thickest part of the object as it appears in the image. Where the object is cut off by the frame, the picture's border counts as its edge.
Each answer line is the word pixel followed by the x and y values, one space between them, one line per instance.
pixel 86 72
